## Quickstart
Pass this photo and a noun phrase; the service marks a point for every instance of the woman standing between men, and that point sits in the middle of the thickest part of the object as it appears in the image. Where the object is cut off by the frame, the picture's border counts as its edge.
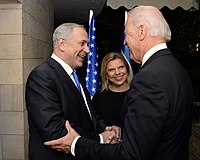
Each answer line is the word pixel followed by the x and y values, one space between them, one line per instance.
pixel 115 78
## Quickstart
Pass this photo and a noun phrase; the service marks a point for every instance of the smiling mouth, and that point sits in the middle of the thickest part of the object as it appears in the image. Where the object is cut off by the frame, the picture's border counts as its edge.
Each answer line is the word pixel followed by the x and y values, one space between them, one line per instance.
pixel 119 78
pixel 82 57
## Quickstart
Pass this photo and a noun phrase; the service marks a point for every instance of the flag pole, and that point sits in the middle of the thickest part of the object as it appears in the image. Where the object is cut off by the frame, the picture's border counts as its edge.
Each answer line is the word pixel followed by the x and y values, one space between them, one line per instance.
pixel 90 16
pixel 125 17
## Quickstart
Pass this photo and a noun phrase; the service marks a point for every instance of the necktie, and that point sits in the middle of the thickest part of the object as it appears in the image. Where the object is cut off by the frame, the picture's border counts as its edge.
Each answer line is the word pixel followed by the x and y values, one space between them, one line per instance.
pixel 79 88
pixel 76 80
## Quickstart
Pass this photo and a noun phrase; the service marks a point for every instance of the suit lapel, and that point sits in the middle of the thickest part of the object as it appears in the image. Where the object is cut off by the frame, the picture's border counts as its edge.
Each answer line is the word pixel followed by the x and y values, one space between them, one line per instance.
pixel 65 78
pixel 155 56
pixel 87 95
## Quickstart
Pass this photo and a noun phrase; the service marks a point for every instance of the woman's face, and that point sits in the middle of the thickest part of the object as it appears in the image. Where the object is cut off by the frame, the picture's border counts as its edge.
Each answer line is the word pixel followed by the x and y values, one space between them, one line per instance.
pixel 116 72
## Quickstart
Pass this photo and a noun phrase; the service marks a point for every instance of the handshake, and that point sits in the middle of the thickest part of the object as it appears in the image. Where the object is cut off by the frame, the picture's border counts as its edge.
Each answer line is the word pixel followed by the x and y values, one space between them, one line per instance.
pixel 111 135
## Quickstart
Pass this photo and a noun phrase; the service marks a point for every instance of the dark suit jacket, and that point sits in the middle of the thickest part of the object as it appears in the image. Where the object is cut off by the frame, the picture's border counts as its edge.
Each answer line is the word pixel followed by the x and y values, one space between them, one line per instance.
pixel 51 99
pixel 157 115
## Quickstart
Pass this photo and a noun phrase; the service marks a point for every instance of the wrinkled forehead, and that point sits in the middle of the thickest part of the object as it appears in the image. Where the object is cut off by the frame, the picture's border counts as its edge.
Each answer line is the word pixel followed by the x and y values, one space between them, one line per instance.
pixel 128 25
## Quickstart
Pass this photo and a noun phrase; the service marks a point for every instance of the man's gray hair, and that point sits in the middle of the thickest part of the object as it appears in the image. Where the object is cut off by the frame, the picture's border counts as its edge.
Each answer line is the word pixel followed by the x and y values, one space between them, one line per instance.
pixel 153 19
pixel 64 31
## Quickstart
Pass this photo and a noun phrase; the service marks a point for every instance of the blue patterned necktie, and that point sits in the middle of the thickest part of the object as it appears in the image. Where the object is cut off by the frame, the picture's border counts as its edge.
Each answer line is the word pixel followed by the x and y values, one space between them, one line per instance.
pixel 76 80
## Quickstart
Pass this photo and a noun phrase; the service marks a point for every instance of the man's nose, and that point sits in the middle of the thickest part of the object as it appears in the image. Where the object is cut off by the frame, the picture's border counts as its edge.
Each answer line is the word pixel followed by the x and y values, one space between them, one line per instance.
pixel 86 49
pixel 125 43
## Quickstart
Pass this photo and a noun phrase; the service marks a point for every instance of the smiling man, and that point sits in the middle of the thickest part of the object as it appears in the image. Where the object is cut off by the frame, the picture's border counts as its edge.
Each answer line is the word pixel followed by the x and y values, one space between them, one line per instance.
pixel 52 96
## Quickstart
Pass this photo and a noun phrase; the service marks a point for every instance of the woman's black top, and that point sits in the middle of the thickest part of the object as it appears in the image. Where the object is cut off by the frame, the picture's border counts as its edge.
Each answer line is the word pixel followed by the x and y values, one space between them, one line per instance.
pixel 108 105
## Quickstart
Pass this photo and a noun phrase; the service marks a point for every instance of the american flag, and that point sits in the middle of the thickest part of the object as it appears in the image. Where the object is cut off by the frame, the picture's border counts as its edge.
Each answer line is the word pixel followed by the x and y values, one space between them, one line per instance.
pixel 92 75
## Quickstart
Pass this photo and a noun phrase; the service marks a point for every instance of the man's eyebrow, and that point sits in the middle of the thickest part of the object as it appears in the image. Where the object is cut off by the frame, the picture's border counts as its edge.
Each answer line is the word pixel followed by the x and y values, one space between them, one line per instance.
pixel 85 41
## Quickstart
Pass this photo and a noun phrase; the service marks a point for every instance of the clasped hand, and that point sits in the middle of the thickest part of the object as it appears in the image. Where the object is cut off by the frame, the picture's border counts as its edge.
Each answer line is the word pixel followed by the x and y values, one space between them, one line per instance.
pixel 111 135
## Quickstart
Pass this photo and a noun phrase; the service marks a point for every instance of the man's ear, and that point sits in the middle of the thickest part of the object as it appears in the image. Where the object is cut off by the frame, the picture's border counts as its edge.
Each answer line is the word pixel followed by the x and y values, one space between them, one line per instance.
pixel 62 44
pixel 142 32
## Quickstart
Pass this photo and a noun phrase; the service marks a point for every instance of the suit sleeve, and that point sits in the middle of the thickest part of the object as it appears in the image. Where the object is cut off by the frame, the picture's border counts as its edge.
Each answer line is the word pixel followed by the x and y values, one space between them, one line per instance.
pixel 146 109
pixel 43 105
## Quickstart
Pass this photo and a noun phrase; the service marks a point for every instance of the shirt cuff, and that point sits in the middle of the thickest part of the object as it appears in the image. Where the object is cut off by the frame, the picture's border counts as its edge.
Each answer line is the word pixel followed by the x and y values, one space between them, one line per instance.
pixel 101 139
pixel 76 139
pixel 73 145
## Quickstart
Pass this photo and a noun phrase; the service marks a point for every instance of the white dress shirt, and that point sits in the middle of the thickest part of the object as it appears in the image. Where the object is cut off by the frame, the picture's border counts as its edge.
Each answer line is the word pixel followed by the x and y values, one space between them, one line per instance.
pixel 153 50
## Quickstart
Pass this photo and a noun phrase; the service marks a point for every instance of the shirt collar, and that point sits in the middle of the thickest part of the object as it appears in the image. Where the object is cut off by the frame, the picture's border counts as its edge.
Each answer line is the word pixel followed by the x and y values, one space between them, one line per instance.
pixel 66 67
pixel 153 50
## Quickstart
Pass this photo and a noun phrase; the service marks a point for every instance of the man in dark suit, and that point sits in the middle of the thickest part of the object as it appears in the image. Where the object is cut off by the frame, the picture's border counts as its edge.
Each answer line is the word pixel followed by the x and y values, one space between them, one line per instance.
pixel 157 111
pixel 52 96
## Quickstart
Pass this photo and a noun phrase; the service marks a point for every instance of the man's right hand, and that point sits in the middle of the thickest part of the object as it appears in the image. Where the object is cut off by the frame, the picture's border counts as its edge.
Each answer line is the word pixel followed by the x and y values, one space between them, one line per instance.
pixel 112 134
pixel 64 144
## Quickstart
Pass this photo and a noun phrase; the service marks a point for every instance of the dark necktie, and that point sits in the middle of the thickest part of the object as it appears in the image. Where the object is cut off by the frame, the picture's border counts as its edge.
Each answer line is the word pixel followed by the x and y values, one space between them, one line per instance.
pixel 76 80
